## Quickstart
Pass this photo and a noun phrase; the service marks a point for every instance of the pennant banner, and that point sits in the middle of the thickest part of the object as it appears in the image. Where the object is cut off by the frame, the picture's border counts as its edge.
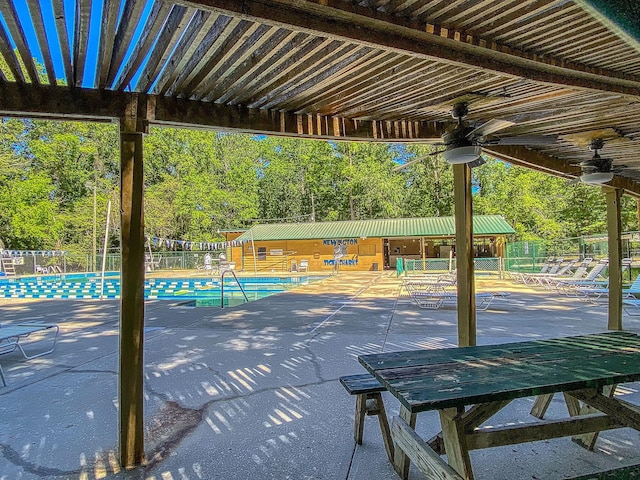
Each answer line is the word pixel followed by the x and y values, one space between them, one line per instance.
pixel 170 244
pixel 29 253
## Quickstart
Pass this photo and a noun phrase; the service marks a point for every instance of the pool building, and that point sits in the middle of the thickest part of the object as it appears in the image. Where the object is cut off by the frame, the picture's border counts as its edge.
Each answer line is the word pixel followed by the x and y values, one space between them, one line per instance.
pixel 360 245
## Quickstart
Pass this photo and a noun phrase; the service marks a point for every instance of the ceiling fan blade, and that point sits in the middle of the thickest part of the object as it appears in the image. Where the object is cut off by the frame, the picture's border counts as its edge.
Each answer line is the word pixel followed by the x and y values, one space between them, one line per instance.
pixel 416 160
pixel 490 127
pixel 477 163
pixel 526 140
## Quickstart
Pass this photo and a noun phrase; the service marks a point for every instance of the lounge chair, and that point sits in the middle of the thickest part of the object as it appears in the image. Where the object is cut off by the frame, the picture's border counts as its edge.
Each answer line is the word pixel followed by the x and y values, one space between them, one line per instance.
pixel 12 335
pixel 207 267
pixel 595 294
pixel 569 287
pixel 434 299
pixel 631 306
pixel 448 279
pixel 224 264
pixel 416 286
pixel 520 276
pixel 556 268
pixel 582 276
pixel 432 295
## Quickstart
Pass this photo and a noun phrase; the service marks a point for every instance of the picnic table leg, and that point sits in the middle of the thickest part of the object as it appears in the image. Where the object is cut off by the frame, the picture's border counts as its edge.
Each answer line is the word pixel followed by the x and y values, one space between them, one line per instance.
pixel 455 442
pixel 361 410
pixel 587 440
pixel 400 460
pixel 541 404
pixel 384 423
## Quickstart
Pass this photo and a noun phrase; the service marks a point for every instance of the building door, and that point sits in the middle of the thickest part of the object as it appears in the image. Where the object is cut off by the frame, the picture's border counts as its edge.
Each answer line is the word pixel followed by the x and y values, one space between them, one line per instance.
pixel 385 242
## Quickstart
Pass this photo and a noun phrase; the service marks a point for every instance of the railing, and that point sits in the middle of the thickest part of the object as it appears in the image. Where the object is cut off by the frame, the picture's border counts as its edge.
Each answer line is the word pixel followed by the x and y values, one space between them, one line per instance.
pixel 266 264
pixel 222 286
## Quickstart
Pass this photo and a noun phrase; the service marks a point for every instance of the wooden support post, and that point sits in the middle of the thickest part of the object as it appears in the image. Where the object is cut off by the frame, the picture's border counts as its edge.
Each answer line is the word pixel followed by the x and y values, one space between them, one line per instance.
pixel 130 391
pixel 614 227
pixel 464 256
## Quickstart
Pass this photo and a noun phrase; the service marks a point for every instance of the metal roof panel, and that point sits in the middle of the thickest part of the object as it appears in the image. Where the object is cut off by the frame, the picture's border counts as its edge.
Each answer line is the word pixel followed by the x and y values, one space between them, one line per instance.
pixel 377 228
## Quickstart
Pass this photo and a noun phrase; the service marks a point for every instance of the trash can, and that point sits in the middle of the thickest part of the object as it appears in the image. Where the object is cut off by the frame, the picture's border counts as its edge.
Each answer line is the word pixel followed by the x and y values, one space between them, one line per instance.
pixel 374 266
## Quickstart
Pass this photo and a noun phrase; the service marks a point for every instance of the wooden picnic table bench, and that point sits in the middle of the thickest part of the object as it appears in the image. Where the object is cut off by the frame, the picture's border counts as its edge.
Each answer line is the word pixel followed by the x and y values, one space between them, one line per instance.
pixel 469 385
pixel 11 337
pixel 368 392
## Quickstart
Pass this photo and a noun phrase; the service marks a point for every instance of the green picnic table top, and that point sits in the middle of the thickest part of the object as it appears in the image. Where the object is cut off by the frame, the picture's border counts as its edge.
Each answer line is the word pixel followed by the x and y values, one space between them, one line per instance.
pixel 453 377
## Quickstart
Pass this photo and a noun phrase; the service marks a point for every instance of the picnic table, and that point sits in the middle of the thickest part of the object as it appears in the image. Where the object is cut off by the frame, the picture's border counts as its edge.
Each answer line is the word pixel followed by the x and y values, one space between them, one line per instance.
pixel 469 385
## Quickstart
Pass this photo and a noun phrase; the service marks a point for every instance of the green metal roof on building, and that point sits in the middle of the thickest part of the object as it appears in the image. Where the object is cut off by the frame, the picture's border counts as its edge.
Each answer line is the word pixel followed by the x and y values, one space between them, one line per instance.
pixel 378 228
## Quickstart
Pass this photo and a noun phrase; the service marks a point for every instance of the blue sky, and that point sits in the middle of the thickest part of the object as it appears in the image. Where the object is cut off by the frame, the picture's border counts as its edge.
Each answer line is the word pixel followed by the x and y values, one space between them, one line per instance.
pixel 26 19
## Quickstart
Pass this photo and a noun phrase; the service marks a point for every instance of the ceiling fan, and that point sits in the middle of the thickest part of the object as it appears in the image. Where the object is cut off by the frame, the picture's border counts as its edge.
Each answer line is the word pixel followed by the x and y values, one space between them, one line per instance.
pixel 597 170
pixel 463 143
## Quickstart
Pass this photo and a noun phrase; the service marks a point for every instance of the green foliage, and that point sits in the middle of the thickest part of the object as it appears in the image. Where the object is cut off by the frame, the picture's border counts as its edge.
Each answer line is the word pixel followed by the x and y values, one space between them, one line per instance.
pixel 197 183
pixel 29 215
pixel 429 182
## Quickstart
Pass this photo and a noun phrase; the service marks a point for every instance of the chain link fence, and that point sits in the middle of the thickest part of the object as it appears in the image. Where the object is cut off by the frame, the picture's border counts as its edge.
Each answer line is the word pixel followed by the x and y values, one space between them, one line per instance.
pixel 30 262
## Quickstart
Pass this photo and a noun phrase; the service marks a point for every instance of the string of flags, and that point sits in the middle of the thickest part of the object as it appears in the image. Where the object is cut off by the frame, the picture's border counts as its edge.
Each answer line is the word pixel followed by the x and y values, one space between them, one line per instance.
pixel 29 253
pixel 188 245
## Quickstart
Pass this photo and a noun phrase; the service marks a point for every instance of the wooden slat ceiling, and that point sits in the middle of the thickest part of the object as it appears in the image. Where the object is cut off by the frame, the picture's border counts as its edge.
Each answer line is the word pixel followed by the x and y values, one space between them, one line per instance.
pixel 342 69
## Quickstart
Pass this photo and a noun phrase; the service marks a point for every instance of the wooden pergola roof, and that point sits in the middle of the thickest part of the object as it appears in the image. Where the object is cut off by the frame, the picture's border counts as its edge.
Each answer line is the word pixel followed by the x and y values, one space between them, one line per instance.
pixel 384 70
pixel 371 70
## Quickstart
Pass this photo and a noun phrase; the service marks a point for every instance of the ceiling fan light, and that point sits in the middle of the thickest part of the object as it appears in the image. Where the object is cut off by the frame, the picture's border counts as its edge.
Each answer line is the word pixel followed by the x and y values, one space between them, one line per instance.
pixel 596 178
pixel 460 155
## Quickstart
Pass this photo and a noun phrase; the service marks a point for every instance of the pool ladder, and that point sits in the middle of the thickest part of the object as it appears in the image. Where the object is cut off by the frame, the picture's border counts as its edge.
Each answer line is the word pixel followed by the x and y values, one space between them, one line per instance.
pixel 222 286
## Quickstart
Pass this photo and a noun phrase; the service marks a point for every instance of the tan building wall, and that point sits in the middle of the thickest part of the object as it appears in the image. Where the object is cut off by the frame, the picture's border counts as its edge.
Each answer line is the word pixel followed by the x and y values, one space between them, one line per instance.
pixel 361 254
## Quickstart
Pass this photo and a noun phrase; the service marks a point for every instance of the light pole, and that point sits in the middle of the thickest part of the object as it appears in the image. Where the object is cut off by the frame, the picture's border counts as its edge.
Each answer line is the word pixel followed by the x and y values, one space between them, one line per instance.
pixel 95 220
pixel 94 242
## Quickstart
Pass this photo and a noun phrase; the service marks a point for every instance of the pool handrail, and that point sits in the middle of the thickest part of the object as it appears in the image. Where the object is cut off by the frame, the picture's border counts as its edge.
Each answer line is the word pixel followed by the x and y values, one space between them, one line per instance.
pixel 222 286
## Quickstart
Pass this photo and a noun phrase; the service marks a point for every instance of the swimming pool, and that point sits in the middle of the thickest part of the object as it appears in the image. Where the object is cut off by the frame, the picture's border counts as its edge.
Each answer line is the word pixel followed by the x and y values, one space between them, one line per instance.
pixel 195 291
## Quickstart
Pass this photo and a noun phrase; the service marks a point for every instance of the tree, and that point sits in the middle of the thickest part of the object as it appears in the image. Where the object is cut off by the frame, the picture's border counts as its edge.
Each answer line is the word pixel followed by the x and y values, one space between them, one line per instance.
pixel 429 183
pixel 370 187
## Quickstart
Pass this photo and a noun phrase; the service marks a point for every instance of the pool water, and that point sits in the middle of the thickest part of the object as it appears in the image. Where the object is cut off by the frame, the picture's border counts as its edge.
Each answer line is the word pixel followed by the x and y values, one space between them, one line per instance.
pixel 195 291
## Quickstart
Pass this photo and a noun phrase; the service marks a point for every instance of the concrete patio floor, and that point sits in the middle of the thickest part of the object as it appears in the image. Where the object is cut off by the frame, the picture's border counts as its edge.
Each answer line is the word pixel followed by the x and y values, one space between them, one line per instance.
pixel 252 392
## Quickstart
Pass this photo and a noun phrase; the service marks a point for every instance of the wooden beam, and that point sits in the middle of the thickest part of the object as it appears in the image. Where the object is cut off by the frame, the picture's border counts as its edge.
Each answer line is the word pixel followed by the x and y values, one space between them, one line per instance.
pixel 370 26
pixel 130 391
pixel 544 430
pixel 464 256
pixel 425 459
pixel 402 459
pixel 614 227
pixel 77 104
pixel 620 410
pixel 541 162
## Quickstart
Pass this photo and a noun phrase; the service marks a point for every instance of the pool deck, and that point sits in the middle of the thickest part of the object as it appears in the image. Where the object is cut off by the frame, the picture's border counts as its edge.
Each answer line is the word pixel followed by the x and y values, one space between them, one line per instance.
pixel 252 392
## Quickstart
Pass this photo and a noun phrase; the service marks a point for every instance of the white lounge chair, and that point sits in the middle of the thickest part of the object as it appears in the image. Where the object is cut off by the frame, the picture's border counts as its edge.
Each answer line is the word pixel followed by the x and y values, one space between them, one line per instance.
pixel 569 287
pixel 581 277
pixel 434 299
pixel 559 270
pixel 12 335
pixel 207 266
